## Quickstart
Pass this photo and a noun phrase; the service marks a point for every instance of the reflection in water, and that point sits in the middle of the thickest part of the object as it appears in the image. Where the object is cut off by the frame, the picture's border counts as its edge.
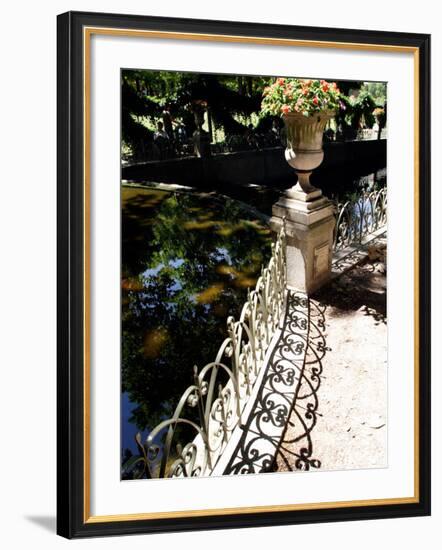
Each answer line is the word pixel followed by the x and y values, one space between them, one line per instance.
pixel 187 261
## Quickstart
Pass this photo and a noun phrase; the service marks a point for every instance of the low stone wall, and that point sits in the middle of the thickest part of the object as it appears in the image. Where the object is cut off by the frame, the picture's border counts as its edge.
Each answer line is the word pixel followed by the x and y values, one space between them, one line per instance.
pixel 266 166
pixel 257 167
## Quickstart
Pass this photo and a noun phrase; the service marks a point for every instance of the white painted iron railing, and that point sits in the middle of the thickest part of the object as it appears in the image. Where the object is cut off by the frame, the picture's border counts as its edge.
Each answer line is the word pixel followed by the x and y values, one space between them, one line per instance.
pixel 358 218
pixel 210 409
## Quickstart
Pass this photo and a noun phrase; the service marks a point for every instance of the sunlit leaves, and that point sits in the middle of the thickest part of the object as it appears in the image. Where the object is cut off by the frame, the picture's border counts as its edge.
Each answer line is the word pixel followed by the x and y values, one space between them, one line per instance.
pixel 187 263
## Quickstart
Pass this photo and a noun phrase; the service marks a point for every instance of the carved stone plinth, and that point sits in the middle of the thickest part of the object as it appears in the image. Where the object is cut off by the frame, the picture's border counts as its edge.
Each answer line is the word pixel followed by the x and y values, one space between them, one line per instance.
pixel 309 229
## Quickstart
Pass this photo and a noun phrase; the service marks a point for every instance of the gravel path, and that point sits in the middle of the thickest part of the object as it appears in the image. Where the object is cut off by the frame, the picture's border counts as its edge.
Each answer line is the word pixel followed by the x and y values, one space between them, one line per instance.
pixel 351 416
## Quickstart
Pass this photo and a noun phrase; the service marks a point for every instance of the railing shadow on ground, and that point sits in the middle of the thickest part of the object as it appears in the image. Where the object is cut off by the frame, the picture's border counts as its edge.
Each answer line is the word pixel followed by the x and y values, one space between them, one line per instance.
pixel 296 449
pixel 361 286
pixel 277 433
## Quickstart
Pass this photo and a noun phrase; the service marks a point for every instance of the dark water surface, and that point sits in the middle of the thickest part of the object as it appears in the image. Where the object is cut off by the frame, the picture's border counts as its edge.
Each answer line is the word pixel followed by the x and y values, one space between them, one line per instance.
pixel 187 262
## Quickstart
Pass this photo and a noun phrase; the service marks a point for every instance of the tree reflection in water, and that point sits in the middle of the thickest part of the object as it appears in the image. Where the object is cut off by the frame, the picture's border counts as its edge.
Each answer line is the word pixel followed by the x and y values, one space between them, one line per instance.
pixel 187 261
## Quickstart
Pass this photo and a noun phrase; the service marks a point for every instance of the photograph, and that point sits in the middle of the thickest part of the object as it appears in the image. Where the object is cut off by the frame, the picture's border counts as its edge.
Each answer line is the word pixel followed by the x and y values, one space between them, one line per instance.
pixel 217 283
pixel 253 274
pixel 243 274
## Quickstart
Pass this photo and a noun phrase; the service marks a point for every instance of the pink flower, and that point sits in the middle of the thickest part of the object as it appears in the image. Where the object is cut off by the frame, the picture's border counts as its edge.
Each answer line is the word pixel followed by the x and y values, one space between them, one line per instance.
pixel 285 109
pixel 281 81
pixel 315 100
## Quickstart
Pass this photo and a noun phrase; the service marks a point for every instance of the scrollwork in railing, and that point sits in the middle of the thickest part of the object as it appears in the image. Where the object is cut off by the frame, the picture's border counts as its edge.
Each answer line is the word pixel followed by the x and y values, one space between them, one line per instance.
pixel 210 409
pixel 358 218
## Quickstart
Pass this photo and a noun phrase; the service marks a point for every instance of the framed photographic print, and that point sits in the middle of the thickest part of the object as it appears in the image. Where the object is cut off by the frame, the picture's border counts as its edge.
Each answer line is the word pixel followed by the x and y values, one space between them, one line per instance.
pixel 234 348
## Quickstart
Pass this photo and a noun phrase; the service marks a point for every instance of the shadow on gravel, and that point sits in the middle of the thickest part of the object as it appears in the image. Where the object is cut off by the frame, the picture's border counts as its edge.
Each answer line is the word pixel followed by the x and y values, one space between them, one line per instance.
pixel 362 287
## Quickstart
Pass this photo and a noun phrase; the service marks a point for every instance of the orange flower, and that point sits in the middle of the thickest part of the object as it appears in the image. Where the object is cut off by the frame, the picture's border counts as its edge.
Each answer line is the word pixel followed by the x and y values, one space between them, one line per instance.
pixel 285 109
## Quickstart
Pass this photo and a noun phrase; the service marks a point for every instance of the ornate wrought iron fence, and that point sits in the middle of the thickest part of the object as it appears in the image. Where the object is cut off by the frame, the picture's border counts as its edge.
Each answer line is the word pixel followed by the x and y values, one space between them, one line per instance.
pixel 358 218
pixel 210 409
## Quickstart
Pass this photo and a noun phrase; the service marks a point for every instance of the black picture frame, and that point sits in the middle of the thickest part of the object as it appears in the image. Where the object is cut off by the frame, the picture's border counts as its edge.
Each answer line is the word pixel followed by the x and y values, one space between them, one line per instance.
pixel 72 520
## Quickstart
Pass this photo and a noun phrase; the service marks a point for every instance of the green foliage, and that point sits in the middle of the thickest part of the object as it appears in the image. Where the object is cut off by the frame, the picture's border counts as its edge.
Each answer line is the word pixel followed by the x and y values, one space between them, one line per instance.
pixel 362 111
pixel 234 101
pixel 187 263
pixel 356 112
pixel 134 133
pixel 145 93
pixel 378 91
pixel 349 86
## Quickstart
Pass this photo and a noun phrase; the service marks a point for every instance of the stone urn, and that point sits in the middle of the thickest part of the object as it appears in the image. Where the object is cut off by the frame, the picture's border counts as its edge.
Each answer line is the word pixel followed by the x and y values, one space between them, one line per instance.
pixel 304 150
pixel 306 215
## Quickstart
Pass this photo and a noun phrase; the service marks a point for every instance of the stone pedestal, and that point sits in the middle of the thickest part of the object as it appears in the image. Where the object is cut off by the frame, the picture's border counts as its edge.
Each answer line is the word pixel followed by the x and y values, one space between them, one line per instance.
pixel 201 143
pixel 309 225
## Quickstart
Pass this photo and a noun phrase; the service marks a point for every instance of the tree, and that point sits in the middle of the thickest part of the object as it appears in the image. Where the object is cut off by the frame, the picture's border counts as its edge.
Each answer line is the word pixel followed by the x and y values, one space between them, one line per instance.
pixel 145 93
pixel 134 104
